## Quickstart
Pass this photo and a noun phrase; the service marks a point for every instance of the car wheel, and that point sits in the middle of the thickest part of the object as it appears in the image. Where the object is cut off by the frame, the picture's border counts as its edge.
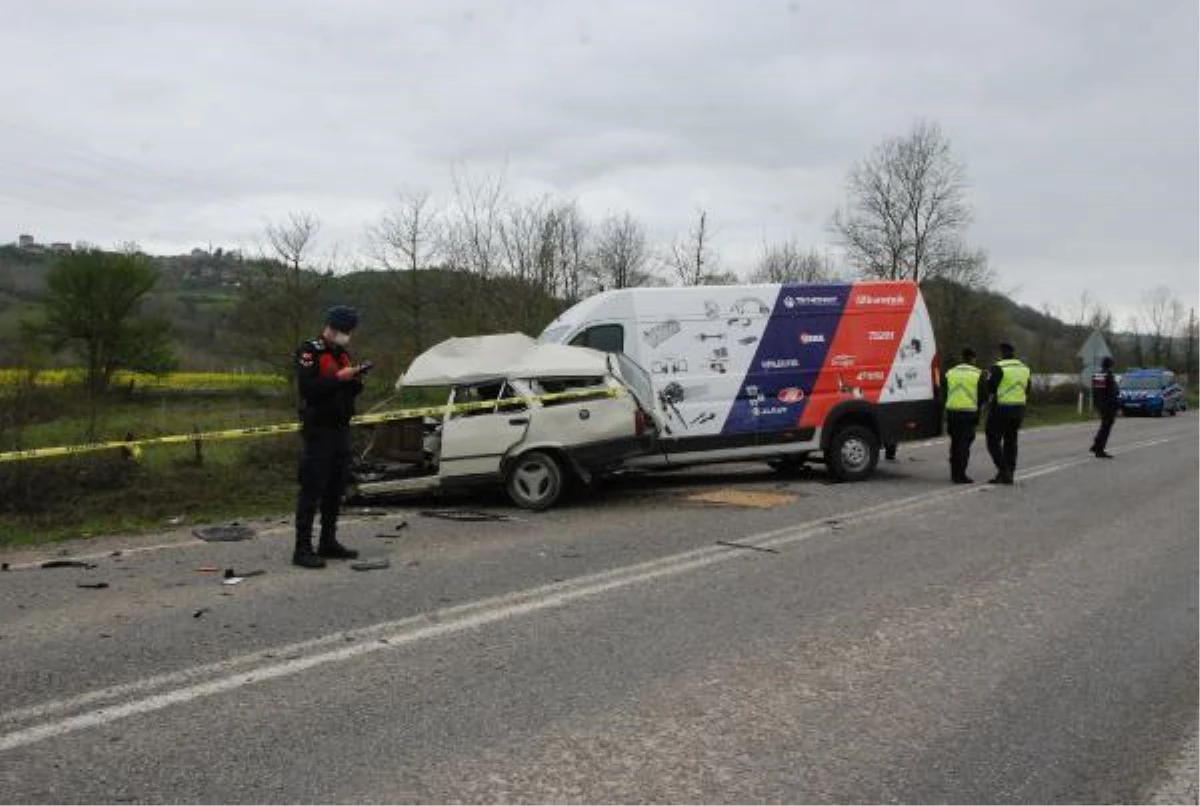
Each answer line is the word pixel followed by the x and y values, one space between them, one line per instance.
pixel 536 481
pixel 853 453
pixel 1158 412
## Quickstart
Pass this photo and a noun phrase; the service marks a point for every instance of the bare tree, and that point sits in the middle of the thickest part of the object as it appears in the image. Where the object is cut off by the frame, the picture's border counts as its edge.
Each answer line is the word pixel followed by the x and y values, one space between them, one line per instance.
pixel 787 262
pixel 692 258
pixel 471 246
pixel 620 254
pixel 404 242
pixel 281 294
pixel 906 207
pixel 961 305
pixel 526 236
pixel 1160 317
pixel 569 241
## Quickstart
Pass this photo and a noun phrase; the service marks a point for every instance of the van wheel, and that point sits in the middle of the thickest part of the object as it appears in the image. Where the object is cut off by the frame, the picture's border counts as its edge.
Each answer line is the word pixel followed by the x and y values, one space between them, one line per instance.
pixel 853 453
pixel 536 481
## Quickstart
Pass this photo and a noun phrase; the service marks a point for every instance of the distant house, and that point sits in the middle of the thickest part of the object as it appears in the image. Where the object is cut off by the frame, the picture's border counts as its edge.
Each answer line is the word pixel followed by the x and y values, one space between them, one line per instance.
pixel 61 247
pixel 25 242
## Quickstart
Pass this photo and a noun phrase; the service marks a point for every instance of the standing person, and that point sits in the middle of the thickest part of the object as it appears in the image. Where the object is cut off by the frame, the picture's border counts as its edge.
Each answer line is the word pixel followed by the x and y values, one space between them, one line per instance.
pixel 1008 390
pixel 1108 399
pixel 328 384
pixel 965 388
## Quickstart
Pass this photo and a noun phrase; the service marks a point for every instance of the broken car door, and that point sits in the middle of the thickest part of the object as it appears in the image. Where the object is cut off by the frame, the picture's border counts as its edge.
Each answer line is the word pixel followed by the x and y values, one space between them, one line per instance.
pixel 474 442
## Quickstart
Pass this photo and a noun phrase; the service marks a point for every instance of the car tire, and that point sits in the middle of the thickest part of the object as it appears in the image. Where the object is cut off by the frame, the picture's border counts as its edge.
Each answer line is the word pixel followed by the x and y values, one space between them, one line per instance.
pixel 1158 412
pixel 536 481
pixel 853 453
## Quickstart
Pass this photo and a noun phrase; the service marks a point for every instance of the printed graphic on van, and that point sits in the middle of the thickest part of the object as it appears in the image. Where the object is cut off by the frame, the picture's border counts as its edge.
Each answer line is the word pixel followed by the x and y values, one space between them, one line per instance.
pixel 747 360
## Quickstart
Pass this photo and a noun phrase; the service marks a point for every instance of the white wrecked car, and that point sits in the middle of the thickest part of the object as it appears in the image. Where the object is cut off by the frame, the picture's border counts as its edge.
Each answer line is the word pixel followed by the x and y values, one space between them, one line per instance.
pixel 534 417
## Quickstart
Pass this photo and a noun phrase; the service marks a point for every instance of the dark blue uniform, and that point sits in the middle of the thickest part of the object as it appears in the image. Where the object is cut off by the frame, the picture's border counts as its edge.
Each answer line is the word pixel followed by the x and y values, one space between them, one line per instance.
pixel 327 404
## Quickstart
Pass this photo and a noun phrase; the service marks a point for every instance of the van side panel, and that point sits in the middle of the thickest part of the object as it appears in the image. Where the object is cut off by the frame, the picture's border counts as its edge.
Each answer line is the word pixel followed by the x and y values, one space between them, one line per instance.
pixel 872 352
pixel 779 380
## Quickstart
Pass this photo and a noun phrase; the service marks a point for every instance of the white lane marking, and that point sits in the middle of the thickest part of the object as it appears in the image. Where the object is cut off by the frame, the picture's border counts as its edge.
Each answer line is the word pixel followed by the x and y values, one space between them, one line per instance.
pixel 472 615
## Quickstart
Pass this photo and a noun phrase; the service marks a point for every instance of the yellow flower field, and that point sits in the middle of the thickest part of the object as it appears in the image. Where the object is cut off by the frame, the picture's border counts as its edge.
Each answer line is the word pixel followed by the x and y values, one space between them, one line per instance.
pixel 181 381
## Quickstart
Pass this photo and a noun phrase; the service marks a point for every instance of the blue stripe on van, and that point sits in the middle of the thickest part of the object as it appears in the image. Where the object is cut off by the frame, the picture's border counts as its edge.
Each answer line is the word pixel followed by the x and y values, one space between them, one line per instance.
pixel 790 356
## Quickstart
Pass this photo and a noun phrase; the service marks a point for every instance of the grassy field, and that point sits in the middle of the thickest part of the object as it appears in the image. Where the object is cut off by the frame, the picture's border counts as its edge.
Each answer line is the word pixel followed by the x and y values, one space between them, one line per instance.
pixel 106 493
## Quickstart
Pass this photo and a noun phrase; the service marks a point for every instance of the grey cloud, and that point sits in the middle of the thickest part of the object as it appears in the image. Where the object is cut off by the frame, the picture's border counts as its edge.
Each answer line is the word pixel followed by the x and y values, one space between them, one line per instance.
pixel 176 123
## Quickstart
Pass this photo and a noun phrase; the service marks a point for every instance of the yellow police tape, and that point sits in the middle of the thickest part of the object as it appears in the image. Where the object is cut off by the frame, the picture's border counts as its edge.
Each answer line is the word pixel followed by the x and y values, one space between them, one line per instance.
pixel 134 446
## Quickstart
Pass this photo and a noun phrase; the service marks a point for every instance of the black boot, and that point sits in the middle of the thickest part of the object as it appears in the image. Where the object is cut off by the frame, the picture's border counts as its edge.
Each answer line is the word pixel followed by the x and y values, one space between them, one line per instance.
pixel 333 550
pixel 305 558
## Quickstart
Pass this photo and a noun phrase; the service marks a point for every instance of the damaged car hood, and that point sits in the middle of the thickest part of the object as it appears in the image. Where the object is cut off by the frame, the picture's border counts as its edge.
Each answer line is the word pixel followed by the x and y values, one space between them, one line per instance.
pixel 507 355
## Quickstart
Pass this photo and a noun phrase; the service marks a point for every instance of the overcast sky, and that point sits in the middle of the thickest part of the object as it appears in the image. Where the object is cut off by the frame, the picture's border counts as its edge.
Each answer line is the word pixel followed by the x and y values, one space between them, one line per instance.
pixel 177 124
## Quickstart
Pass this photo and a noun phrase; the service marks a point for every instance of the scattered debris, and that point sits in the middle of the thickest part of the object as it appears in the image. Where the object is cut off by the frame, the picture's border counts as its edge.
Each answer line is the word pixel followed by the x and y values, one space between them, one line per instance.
pixel 734 545
pixel 207 569
pixel 3 566
pixel 177 520
pixel 402 524
pixel 385 535
pixel 370 565
pixel 93 585
pixel 230 573
pixel 834 524
pixel 231 580
pixel 224 534
pixel 67 564
pixel 116 553
pixel 571 555
pixel 370 513
pixel 413 563
pixel 200 612
pixel 462 515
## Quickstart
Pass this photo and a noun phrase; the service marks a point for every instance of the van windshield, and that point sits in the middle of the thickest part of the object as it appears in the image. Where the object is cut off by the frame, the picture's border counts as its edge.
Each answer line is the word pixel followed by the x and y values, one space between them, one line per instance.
pixel 553 335
pixel 1143 382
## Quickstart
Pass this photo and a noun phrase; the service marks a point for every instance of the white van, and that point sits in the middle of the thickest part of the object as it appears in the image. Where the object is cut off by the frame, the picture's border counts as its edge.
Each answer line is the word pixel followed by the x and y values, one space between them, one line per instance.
pixel 785 373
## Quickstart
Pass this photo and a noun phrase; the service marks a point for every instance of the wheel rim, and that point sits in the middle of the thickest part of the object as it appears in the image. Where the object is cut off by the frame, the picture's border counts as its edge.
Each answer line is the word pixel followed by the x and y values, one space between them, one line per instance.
pixel 533 480
pixel 855 455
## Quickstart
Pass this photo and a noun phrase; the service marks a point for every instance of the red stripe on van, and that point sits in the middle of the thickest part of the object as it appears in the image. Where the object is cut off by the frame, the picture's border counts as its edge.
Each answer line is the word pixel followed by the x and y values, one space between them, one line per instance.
pixel 864 347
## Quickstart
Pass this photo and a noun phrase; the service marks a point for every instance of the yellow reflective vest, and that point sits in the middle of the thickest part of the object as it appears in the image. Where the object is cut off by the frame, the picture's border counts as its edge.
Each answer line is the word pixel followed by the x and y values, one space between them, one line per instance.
pixel 962 388
pixel 1014 380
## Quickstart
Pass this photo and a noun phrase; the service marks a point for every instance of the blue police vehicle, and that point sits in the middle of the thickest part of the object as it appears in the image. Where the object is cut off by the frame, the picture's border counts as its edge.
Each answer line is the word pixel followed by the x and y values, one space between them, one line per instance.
pixel 1151 392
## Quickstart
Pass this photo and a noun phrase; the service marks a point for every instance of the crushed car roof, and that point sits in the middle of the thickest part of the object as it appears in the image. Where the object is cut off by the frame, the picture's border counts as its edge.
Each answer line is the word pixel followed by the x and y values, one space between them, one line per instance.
pixel 506 355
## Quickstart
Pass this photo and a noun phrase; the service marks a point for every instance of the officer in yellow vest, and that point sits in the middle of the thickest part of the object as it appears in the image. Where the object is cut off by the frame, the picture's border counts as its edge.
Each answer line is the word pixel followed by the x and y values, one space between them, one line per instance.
pixel 965 389
pixel 1008 389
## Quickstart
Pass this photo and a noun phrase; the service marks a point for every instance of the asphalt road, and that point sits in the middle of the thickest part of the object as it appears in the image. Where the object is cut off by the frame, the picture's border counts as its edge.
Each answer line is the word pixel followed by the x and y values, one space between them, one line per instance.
pixel 902 640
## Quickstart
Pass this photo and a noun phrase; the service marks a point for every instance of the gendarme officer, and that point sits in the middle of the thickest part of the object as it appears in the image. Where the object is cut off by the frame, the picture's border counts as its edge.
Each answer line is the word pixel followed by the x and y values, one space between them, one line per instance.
pixel 328 383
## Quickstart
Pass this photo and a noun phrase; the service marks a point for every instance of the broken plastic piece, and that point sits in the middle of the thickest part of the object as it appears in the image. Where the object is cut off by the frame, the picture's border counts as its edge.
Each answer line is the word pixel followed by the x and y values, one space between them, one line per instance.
pixel 67 564
pixel 370 565
pixel 231 580
pixel 93 585
pixel 462 515
pixel 224 534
